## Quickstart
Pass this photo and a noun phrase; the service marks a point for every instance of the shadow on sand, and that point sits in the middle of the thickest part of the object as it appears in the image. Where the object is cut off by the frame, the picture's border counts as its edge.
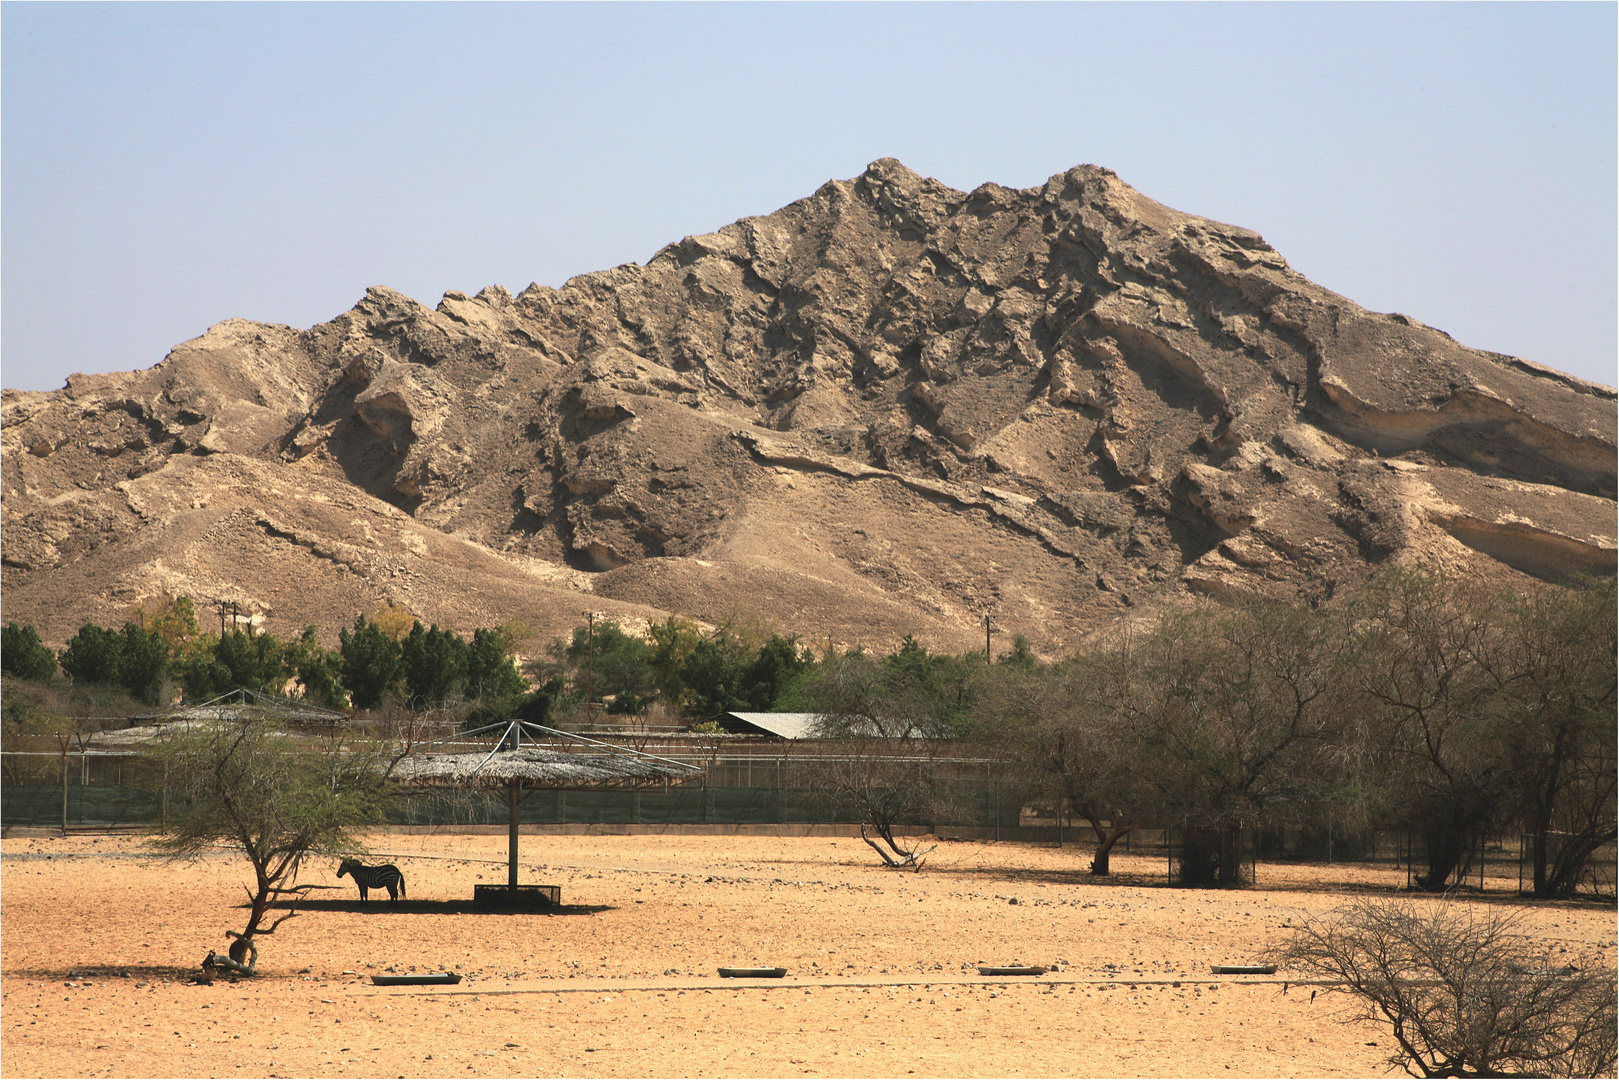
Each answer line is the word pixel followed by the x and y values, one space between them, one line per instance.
pixel 431 907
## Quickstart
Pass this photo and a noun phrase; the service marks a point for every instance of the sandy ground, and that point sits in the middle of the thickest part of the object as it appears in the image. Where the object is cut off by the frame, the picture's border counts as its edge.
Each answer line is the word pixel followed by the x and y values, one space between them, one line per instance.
pixel 98 941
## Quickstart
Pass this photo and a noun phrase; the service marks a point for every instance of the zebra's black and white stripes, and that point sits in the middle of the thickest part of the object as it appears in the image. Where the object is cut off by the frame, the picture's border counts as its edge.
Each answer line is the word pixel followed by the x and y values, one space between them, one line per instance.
pixel 374 877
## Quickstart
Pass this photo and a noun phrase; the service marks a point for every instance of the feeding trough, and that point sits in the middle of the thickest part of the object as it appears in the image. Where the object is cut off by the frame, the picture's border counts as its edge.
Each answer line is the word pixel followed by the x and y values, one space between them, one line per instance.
pixel 516 897
pixel 1243 969
pixel 752 972
pixel 440 978
pixel 1013 969
pixel 520 770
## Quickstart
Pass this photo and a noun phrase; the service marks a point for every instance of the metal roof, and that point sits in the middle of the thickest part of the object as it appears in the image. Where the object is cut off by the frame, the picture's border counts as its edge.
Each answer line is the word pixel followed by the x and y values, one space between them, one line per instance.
pixel 806 725
pixel 783 725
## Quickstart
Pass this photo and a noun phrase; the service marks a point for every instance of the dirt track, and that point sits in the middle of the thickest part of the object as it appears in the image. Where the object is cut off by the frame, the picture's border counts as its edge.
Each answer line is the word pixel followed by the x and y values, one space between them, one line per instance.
pixel 100 940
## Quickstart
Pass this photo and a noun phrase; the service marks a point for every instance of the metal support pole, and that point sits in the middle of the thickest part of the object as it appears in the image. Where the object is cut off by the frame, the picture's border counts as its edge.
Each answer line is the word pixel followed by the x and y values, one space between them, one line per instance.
pixel 511 838
pixel 64 787
pixel 590 659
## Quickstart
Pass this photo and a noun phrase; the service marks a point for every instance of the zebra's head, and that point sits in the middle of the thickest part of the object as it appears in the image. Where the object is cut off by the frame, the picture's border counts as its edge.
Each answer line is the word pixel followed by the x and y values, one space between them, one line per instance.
pixel 347 866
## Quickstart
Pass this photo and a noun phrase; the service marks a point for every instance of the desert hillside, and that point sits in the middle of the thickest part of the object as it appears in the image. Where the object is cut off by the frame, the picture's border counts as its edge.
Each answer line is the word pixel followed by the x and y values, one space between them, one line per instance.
pixel 890 407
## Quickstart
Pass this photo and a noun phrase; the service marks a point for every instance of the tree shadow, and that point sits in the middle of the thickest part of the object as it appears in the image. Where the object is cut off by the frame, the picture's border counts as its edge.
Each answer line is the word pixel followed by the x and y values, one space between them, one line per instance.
pixel 130 973
pixel 1080 875
pixel 433 907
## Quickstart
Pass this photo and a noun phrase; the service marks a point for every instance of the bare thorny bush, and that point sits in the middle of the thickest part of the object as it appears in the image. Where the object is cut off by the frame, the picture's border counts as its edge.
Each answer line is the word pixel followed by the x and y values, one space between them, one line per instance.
pixel 1465 993
pixel 886 788
pixel 883 769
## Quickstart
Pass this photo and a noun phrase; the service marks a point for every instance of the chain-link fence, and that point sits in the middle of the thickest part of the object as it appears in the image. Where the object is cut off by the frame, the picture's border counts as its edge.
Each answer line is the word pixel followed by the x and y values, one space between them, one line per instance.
pixel 762 784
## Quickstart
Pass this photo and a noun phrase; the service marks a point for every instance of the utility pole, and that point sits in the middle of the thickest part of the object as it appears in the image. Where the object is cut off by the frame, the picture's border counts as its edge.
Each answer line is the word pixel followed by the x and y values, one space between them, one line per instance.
pixel 988 656
pixel 590 658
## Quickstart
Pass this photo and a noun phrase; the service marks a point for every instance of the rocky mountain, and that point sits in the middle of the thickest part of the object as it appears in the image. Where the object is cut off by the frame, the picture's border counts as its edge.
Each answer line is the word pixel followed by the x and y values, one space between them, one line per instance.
pixel 888 408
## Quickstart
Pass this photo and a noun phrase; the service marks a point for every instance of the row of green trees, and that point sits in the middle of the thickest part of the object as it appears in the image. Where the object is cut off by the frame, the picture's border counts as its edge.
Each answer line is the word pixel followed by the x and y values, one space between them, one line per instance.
pixel 162 652
pixel 376 660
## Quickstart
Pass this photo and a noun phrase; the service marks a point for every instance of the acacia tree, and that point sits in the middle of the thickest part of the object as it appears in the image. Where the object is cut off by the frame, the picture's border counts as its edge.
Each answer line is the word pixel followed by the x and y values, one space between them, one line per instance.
pixel 1463 992
pixel 1422 659
pixel 887 719
pixel 273 797
pixel 1555 678
pixel 886 788
pixel 1232 715
pixel 1056 727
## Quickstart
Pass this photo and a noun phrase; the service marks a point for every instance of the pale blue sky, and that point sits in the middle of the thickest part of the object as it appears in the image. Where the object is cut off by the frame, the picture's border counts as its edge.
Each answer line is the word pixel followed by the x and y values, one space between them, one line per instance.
pixel 164 167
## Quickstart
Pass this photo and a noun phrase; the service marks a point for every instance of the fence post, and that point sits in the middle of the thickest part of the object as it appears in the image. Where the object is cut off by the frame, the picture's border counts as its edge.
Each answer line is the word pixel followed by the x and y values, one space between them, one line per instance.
pixel 64 783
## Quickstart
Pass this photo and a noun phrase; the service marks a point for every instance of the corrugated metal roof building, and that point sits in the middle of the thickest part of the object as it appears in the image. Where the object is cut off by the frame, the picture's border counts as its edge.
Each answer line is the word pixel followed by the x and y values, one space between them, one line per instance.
pixel 804 725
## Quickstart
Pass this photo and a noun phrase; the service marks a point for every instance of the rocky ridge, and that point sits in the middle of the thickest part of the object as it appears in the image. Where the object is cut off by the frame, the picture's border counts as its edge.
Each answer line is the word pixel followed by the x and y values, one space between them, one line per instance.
pixel 888 408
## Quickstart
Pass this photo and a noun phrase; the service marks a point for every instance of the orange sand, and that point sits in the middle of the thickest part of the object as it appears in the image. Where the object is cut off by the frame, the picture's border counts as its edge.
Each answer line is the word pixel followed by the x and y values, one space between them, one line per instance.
pixel 98 942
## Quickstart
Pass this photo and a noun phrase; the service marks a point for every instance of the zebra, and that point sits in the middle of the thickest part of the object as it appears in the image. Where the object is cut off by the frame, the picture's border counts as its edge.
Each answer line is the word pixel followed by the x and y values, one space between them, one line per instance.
pixel 374 877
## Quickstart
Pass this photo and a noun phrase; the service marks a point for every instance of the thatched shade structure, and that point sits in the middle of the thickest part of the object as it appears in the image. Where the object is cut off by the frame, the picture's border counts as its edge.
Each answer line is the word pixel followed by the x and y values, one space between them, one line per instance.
pixel 139 738
pixel 249 704
pixel 521 770
pixel 529 768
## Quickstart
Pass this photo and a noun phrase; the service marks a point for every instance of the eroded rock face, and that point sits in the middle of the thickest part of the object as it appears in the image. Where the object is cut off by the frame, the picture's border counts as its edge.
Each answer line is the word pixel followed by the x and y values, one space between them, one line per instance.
pixel 888 408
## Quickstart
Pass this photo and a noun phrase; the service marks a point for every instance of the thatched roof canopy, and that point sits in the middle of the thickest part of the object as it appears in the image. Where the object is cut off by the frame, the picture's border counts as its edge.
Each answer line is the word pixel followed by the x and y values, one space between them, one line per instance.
pixel 249 704
pixel 149 734
pixel 529 767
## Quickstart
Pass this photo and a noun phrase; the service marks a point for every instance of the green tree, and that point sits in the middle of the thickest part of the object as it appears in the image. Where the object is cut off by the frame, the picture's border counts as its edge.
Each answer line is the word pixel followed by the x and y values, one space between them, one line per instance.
pixel 1021 655
pixel 538 706
pixel 611 661
pixel 672 641
pixel 143 667
pixel 237 661
pixel 434 663
pixel 370 663
pixel 275 799
pixel 779 662
pixel 907 694
pixel 93 655
pixel 318 671
pixel 712 675
pixel 491 675
pixel 24 656
pixel 172 618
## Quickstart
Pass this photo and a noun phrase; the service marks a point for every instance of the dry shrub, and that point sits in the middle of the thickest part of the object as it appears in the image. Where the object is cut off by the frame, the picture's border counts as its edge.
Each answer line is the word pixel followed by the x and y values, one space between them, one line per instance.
pixel 1465 993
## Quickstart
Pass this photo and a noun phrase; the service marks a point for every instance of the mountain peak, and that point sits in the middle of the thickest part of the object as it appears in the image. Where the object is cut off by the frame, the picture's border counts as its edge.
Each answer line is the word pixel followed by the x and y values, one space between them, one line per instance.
pixel 891 407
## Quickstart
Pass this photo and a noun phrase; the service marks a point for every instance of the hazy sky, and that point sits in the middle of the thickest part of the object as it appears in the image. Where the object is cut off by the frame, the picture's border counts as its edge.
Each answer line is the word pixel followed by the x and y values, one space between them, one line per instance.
pixel 164 167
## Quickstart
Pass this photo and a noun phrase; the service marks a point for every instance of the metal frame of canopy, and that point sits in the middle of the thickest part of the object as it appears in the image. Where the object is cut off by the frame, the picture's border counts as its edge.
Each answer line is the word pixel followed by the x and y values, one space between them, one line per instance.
pixel 519 782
